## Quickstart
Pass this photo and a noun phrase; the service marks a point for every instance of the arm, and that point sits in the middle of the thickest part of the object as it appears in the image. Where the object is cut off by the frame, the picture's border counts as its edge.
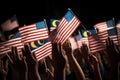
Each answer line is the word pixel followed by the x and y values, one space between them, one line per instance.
pixel 32 63
pixel 17 65
pixel 59 62
pixel 73 62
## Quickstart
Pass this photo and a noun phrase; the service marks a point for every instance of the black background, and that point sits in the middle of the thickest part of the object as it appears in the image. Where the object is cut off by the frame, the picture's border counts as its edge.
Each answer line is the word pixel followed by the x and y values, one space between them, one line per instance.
pixel 89 12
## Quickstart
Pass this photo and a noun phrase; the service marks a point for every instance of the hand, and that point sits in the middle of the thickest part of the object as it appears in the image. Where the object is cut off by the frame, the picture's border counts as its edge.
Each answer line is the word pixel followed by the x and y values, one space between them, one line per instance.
pixel 85 52
pixel 113 51
pixel 67 48
pixel 18 65
pixel 32 63
pixel 58 57
pixel 3 68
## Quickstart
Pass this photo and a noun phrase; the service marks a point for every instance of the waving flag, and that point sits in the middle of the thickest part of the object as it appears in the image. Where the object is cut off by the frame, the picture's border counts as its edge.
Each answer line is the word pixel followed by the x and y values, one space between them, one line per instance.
pixel 95 43
pixel 34 32
pixel 67 25
pixel 5 46
pixel 76 41
pixel 10 24
pixel 36 35
pixel 85 34
pixel 41 48
pixel 118 31
pixel 107 29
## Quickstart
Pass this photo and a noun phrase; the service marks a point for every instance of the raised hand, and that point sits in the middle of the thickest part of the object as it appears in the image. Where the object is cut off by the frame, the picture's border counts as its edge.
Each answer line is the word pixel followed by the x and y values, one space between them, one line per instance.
pixel 113 51
pixel 32 63
pixel 18 65
pixel 59 62
pixel 3 69
pixel 95 67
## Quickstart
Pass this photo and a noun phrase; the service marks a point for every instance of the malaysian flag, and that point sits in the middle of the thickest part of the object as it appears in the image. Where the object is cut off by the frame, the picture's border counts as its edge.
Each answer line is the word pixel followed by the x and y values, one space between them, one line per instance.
pixel 37 37
pixel 85 34
pixel 34 32
pixel 10 24
pixel 107 29
pixel 67 25
pixel 76 41
pixel 95 43
pixel 53 24
pixel 5 46
pixel 118 31
pixel 15 41
pixel 42 48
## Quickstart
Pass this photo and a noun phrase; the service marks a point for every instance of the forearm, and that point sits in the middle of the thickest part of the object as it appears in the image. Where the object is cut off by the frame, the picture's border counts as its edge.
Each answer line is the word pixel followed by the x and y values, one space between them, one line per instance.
pixel 97 74
pixel 76 68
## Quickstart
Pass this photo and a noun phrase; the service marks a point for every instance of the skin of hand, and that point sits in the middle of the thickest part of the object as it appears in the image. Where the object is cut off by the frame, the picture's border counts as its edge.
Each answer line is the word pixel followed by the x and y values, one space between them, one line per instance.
pixel 32 63
pixel 18 65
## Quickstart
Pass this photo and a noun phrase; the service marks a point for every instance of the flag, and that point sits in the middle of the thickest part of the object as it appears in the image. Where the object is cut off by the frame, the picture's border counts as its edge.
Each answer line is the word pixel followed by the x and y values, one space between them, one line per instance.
pixel 76 41
pixel 3 49
pixel 53 24
pixel 107 29
pixel 34 32
pixel 42 48
pixel 15 41
pixel 85 34
pixel 67 25
pixel 95 43
pixel 36 35
pixel 118 30
pixel 10 24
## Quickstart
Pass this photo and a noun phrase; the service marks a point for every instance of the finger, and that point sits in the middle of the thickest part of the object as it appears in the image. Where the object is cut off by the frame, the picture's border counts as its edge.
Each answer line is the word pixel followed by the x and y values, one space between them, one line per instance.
pixel 27 50
pixel 16 53
pixel 10 59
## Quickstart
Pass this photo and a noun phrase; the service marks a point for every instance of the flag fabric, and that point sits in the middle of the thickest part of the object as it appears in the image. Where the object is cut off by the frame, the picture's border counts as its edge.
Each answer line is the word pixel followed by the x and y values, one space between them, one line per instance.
pixel 53 24
pixel 10 24
pixel 107 29
pixel 67 25
pixel 95 43
pixel 76 41
pixel 41 48
pixel 3 48
pixel 34 32
pixel 118 31
pixel 36 35
pixel 85 34
pixel 15 41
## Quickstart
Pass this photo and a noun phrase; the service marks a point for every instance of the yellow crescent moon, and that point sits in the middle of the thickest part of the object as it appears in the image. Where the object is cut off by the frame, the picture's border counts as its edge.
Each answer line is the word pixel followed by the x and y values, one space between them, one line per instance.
pixel 10 36
pixel 54 22
pixel 33 45
pixel 39 42
pixel 85 33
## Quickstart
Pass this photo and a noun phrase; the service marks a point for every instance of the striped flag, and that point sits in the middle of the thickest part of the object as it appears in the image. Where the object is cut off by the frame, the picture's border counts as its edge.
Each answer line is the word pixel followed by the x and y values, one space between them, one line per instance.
pixel 85 34
pixel 10 24
pixel 34 32
pixel 76 41
pixel 67 25
pixel 15 41
pixel 42 48
pixel 5 47
pixel 36 35
pixel 95 43
pixel 107 29
pixel 118 31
